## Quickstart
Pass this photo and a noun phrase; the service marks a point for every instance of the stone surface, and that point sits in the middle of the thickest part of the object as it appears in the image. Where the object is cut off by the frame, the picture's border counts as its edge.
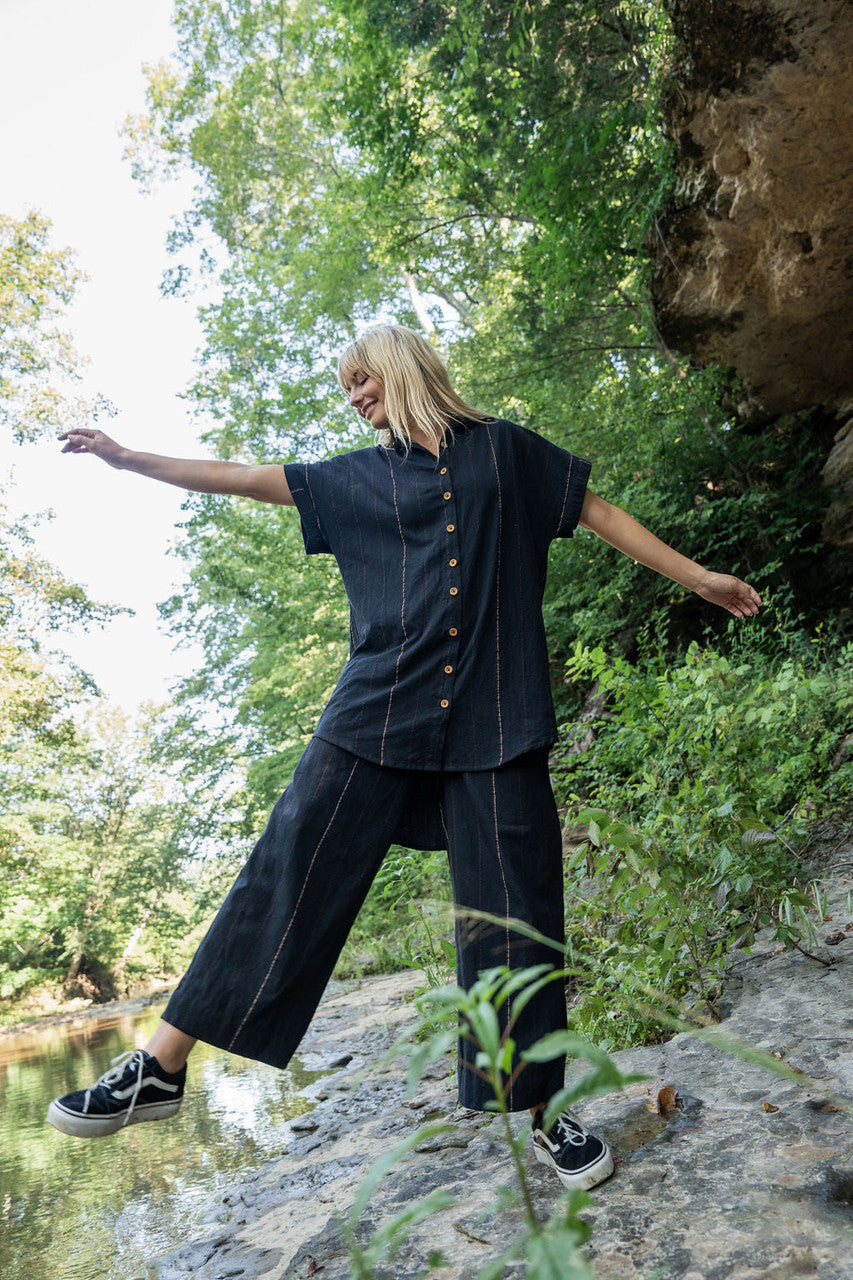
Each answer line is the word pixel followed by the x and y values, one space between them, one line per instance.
pixel 750 1178
pixel 754 250
pixel 838 476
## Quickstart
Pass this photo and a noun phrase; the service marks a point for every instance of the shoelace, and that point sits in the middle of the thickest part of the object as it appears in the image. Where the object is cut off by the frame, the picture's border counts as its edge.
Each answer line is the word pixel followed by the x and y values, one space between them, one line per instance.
pixel 567 1127
pixel 115 1073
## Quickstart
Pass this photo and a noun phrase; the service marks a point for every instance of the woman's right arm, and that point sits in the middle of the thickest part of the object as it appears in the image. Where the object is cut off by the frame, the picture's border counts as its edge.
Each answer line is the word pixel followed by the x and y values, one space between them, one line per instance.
pixel 266 483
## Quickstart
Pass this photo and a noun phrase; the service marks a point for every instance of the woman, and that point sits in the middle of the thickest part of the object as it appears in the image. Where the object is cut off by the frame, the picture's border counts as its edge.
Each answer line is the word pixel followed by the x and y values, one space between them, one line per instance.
pixel 436 735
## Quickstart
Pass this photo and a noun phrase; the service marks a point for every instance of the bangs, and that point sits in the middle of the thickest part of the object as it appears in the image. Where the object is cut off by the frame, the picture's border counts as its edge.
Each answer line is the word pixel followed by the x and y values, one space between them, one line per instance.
pixel 351 361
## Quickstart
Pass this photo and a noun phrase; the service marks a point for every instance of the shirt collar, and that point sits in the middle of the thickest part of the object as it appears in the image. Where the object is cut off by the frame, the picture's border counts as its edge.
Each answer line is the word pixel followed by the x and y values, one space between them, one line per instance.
pixel 459 426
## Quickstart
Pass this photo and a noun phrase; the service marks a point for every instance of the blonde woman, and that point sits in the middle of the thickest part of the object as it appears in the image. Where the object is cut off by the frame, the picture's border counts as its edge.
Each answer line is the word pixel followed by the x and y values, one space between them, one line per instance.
pixel 436 735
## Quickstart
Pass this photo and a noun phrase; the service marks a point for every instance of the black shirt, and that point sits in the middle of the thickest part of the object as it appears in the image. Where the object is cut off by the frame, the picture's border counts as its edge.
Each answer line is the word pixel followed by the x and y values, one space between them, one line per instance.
pixel 444 562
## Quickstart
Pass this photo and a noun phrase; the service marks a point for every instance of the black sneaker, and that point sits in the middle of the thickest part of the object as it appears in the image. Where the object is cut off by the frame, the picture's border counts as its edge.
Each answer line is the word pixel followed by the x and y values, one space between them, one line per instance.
pixel 135 1088
pixel 578 1157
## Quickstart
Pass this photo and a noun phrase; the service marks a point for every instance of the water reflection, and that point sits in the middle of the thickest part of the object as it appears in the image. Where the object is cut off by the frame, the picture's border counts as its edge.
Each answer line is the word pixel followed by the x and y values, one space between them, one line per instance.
pixel 100 1209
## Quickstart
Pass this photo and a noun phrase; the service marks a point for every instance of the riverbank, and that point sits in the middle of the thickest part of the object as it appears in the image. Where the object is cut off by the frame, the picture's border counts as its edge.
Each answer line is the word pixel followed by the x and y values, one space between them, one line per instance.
pixel 751 1178
pixel 81 1010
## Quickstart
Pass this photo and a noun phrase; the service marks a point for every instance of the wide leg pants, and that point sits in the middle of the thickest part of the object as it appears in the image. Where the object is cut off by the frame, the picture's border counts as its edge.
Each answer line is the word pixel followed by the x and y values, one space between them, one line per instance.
pixel 258 975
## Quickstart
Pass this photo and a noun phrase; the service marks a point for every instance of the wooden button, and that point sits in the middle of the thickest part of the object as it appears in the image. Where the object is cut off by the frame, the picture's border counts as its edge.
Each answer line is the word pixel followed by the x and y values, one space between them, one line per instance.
pixel 453 632
pixel 454 591
pixel 443 471
pixel 448 671
pixel 446 496
pixel 444 702
pixel 450 528
pixel 453 563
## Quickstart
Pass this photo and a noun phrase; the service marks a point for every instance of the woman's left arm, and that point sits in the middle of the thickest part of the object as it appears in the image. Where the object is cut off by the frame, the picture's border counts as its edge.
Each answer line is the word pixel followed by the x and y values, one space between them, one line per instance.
pixel 626 534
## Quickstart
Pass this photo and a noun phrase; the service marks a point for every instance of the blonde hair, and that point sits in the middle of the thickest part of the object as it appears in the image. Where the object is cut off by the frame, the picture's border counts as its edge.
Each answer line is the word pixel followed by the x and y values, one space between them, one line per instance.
pixel 417 387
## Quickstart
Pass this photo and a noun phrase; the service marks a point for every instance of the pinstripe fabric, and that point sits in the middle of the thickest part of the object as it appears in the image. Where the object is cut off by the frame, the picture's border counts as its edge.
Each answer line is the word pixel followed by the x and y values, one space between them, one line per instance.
pixel 506 859
pixel 258 976
pixel 444 564
pixel 315 855
pixel 403 553
pixel 498 600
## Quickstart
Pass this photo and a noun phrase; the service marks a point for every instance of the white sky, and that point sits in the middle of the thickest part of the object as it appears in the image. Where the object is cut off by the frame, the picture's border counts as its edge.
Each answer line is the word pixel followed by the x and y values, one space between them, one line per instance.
pixel 69 73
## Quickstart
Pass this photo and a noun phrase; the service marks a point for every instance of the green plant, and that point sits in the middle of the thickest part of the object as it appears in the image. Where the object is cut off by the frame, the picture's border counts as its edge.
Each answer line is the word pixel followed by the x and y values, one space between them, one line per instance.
pixel 386 1241
pixel 427 947
pixel 550 1248
pixel 696 786
pixel 403 919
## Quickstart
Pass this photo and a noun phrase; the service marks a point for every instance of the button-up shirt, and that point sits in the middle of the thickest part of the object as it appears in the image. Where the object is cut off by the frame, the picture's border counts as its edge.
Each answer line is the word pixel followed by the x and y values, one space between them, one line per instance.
pixel 444 562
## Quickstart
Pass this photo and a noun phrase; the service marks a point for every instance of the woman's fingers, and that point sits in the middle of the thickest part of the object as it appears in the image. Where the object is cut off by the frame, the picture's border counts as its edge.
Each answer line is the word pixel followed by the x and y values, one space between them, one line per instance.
pixel 73 444
pixel 76 439
pixel 739 598
pixel 87 440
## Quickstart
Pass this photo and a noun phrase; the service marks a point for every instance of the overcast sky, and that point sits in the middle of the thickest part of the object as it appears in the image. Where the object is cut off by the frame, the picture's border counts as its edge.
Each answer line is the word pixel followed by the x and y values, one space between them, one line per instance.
pixel 69 74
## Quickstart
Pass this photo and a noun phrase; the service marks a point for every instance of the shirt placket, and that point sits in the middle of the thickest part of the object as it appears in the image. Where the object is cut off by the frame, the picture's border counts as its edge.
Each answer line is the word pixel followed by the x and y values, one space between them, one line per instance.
pixel 452 580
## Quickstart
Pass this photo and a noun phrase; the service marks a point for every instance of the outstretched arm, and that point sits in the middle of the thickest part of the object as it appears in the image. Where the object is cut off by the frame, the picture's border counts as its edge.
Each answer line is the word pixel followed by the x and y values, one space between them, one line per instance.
pixel 626 534
pixel 266 483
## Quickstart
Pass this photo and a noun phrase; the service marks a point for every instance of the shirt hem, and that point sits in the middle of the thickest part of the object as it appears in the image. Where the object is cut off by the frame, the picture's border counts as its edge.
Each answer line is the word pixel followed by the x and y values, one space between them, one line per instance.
pixel 418 766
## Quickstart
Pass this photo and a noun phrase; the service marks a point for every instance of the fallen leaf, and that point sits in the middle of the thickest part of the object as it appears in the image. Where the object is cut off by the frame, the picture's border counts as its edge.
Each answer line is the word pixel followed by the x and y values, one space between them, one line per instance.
pixel 835 1108
pixel 776 1054
pixel 304 1126
pixel 667 1099
pixel 314 1267
pixel 768 1106
pixel 665 1103
pixel 834 938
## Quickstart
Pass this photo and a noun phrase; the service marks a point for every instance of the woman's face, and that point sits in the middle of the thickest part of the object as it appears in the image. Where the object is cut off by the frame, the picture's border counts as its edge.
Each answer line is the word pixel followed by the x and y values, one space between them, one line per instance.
pixel 367 397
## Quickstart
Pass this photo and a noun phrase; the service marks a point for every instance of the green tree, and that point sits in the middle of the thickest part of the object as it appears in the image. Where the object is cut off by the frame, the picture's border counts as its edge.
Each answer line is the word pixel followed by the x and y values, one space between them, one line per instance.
pixel 97 888
pixel 274 624
pixel 92 839
pixel 38 363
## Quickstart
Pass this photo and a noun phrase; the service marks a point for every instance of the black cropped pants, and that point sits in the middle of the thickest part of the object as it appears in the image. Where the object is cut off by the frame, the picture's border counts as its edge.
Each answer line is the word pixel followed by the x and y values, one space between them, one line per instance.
pixel 258 975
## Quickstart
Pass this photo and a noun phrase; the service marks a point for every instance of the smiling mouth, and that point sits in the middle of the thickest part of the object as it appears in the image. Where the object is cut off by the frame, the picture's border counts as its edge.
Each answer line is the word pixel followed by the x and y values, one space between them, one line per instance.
pixel 365 413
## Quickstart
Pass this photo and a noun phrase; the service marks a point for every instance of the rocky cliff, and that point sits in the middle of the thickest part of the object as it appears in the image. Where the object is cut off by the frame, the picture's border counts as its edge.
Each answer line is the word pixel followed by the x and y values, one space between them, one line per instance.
pixel 754 251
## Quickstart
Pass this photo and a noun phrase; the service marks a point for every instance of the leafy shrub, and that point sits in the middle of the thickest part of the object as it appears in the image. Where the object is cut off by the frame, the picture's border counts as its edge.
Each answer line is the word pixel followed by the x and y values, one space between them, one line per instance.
pixel 701 774
pixel 404 917
pixel 14 984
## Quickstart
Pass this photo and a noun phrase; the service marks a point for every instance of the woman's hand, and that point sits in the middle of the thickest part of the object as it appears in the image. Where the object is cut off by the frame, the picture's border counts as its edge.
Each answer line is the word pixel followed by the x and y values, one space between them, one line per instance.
pixel 88 440
pixel 729 592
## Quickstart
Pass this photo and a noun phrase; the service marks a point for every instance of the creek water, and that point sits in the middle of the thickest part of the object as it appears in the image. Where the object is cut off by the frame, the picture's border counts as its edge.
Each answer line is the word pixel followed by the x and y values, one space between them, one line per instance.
pixel 102 1209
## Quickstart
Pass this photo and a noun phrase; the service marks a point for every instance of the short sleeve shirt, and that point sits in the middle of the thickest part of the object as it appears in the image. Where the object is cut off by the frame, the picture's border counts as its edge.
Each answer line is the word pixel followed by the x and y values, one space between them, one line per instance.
pixel 444 563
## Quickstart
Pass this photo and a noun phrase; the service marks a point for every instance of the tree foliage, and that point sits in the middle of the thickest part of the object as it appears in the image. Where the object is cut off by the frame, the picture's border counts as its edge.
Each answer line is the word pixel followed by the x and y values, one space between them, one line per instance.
pixel 697 786
pixel 38 363
pixel 92 839
pixel 93 846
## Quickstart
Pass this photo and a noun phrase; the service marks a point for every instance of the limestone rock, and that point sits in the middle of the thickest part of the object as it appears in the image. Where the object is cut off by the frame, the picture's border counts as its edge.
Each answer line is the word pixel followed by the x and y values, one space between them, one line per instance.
pixel 838 476
pixel 754 250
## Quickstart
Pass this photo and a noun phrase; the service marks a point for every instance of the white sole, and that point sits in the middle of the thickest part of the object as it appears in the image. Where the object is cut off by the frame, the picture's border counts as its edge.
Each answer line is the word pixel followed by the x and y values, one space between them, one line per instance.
pixel 586 1178
pixel 82 1126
